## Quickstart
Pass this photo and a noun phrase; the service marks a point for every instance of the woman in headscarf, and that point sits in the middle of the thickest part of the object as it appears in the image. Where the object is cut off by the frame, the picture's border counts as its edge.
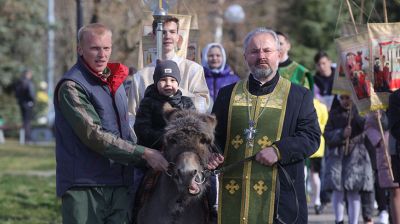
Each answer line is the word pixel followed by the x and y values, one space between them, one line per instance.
pixel 218 74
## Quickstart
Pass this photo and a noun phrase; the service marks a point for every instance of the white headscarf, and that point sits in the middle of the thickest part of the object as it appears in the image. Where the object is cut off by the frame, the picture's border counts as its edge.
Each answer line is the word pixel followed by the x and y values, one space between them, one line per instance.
pixel 204 60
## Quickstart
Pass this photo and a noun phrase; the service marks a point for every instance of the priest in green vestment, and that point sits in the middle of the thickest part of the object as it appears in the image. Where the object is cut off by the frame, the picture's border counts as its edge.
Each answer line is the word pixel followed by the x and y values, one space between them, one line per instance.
pixel 290 69
pixel 267 117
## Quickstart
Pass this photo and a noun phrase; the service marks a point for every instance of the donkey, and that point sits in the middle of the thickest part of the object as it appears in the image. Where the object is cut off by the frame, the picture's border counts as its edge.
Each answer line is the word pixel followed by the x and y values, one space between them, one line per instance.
pixel 178 195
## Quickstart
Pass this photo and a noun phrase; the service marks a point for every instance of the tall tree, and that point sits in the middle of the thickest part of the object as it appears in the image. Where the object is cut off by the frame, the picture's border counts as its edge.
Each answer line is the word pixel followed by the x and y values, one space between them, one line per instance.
pixel 23 35
pixel 22 38
pixel 311 25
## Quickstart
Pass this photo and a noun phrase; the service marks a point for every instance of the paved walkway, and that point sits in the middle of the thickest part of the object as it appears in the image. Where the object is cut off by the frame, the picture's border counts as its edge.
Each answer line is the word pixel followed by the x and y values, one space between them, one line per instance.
pixel 327 217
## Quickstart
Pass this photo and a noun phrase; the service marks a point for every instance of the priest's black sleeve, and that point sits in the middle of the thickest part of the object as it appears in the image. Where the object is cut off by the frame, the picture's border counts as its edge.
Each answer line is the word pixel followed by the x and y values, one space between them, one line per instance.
pixel 221 110
pixel 301 133
pixel 394 114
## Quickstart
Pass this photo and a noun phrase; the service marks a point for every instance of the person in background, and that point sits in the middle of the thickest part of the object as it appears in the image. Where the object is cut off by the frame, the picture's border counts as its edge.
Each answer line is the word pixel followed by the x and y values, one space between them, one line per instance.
pixel 192 84
pixel 217 72
pixel 375 144
pixel 316 158
pixel 290 69
pixel 94 146
pixel 25 94
pixel 325 72
pixel 323 80
pixel 348 165
pixel 394 125
pixel 272 121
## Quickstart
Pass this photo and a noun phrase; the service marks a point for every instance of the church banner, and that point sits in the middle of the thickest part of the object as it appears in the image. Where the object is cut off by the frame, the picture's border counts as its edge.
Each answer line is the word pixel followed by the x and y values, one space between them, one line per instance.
pixel 385 57
pixel 341 84
pixel 193 46
pixel 354 57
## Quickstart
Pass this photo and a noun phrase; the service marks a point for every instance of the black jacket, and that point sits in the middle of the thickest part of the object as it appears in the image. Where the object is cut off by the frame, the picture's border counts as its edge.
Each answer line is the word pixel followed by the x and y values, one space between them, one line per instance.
pixel 149 124
pixel 299 140
pixel 324 84
pixel 394 118
pixel 25 93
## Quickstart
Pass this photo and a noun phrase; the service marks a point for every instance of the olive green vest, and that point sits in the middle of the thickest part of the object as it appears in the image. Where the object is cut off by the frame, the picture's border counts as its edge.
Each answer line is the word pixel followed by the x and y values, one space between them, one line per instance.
pixel 247 191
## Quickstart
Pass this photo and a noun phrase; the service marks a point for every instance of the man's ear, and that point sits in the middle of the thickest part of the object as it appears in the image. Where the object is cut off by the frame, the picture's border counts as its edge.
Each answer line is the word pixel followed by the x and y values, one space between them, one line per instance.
pixel 280 53
pixel 79 50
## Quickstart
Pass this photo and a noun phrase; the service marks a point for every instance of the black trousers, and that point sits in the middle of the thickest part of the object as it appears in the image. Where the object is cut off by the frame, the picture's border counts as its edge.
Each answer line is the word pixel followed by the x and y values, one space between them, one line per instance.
pixel 27 116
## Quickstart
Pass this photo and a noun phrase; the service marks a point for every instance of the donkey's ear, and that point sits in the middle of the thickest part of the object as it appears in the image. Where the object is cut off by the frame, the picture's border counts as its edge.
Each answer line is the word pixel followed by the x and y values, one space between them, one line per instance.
pixel 168 111
pixel 211 120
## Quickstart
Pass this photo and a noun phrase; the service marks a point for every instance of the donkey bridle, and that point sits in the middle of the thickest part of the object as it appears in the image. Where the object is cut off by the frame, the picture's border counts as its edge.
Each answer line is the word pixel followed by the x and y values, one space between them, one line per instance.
pixel 207 173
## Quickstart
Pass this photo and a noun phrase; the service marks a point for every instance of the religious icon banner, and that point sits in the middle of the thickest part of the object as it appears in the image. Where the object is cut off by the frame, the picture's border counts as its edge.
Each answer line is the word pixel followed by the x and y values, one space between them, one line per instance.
pixel 193 46
pixel 354 56
pixel 340 83
pixel 385 57
pixel 184 29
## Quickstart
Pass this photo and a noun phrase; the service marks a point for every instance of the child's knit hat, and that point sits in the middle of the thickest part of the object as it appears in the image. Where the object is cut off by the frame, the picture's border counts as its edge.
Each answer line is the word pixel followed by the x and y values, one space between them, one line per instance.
pixel 166 68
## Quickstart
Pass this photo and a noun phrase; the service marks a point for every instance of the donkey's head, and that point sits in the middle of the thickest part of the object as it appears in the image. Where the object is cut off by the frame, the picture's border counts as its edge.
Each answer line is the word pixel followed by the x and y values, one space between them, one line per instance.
pixel 188 138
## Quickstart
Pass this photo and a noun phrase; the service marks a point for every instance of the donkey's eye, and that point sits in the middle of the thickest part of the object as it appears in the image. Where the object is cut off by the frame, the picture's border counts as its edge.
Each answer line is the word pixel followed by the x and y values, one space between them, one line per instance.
pixel 172 141
pixel 204 141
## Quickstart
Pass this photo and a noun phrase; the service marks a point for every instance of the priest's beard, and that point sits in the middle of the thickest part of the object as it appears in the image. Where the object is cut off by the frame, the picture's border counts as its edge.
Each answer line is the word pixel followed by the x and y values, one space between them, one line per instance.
pixel 262 73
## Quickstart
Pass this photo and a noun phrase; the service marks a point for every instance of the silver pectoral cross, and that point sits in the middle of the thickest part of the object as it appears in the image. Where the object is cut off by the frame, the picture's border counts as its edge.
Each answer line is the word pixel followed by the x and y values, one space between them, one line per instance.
pixel 250 133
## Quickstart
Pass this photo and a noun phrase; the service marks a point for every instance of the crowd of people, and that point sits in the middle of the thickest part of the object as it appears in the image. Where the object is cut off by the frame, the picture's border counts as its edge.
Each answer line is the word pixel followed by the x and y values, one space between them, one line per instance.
pixel 281 117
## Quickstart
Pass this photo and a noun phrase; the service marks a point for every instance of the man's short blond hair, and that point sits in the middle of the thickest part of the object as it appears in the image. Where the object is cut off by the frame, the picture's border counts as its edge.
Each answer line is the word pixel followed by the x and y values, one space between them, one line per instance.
pixel 96 28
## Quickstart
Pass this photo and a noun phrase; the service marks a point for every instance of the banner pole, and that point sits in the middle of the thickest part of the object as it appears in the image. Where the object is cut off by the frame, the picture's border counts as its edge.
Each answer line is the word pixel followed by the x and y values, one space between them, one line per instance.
pixel 385 11
pixel 352 17
pixel 385 146
pixel 350 117
pixel 362 12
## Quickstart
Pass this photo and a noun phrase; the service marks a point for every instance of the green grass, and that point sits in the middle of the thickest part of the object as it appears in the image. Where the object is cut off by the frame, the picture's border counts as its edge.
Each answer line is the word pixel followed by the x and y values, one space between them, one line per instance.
pixel 16 158
pixel 25 198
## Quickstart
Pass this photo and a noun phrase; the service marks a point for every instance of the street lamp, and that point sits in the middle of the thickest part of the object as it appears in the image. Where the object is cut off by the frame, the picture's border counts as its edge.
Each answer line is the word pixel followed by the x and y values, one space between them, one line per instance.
pixel 160 14
pixel 235 14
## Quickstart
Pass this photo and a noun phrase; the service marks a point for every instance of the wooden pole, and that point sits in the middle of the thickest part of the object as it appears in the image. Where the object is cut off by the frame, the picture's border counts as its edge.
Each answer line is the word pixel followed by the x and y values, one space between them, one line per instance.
pixel 352 17
pixel 385 146
pixel 346 148
pixel 385 11
pixel 362 12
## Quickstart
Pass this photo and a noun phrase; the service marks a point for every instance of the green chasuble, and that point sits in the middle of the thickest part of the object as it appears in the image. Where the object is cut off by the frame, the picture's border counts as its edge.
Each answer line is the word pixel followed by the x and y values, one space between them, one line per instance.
pixel 247 191
pixel 298 74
